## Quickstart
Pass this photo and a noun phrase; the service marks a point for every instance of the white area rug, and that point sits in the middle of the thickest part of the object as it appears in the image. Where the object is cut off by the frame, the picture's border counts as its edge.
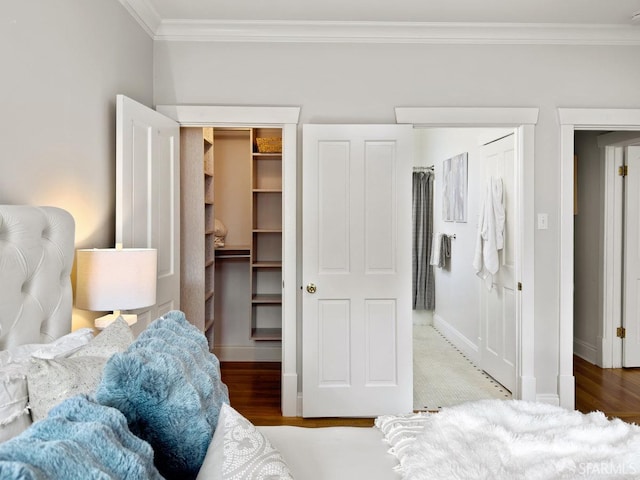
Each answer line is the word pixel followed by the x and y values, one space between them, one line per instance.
pixel 443 376
pixel 512 440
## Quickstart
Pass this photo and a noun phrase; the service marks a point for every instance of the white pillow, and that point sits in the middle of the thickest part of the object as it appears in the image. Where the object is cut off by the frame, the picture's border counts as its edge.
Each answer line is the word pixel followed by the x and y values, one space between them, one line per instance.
pixel 53 380
pixel 114 339
pixel 61 347
pixel 14 365
pixel 238 451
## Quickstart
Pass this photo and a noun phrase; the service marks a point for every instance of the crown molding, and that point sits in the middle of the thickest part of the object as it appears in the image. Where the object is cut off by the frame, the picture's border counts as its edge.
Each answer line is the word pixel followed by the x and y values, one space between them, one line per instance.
pixel 144 13
pixel 378 32
pixel 396 32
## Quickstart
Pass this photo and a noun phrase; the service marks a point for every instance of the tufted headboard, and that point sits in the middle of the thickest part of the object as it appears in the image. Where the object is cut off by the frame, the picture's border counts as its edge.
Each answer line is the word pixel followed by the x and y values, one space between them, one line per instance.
pixel 36 257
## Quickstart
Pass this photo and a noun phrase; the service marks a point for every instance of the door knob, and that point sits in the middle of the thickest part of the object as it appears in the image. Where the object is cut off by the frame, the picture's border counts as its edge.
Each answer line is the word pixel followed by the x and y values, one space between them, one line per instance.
pixel 311 288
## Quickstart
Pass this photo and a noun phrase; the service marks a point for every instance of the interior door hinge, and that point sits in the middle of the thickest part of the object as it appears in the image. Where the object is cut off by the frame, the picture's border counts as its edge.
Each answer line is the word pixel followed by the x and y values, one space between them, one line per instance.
pixel 519 286
pixel 623 170
pixel 621 332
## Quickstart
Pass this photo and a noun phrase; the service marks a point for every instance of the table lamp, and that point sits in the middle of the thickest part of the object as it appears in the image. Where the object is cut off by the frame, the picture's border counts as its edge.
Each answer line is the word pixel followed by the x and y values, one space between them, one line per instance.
pixel 116 279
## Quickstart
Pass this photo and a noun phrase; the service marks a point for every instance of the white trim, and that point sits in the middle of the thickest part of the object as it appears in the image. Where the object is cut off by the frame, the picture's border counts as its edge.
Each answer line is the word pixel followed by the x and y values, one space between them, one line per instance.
pixel 572 119
pixel 301 31
pixel 566 380
pixel 287 118
pixel 467 116
pixel 290 293
pixel 229 353
pixel 283 31
pixel 144 13
pixel 523 121
pixel 585 350
pixel 549 398
pixel 207 115
pixel 466 346
pixel 600 118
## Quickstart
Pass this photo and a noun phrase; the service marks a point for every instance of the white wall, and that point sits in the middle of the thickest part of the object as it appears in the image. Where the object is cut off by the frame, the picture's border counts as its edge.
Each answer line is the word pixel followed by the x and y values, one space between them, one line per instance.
pixel 363 83
pixel 63 63
pixel 588 246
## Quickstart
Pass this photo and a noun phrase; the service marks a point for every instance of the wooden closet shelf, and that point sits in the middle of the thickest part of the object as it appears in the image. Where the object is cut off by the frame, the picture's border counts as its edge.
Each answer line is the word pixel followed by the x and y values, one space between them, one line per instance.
pixel 273 264
pixel 266 334
pixel 233 252
pixel 267 230
pixel 275 299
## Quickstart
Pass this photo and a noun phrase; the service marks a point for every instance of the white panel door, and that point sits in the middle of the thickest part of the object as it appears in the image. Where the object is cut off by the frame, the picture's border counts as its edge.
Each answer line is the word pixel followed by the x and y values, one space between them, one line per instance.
pixel 631 263
pixel 498 316
pixel 148 195
pixel 356 319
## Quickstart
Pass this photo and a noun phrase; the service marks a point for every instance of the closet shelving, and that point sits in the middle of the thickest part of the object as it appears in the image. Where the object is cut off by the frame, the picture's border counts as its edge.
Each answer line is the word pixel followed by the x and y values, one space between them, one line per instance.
pixel 209 222
pixel 266 236
pixel 234 291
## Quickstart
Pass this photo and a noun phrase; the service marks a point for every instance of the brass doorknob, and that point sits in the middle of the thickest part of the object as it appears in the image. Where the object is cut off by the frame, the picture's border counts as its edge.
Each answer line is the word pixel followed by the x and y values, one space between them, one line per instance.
pixel 311 288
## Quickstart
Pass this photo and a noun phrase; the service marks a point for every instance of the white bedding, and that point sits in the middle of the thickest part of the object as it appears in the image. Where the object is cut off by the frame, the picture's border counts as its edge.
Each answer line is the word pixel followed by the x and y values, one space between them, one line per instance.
pixel 513 440
pixel 333 453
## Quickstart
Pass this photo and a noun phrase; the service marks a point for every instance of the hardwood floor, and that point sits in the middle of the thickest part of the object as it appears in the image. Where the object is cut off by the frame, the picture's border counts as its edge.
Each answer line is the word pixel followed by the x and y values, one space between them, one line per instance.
pixel 613 391
pixel 254 390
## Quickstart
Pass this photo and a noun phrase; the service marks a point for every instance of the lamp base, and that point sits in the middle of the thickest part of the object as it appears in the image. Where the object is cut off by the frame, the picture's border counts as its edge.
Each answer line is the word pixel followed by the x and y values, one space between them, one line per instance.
pixel 103 322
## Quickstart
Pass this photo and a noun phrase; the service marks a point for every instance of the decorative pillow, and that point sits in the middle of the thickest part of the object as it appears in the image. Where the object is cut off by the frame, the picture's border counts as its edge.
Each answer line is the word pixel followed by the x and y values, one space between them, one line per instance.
pixel 168 386
pixel 61 347
pixel 51 381
pixel 114 339
pixel 79 439
pixel 14 413
pixel 14 366
pixel 239 451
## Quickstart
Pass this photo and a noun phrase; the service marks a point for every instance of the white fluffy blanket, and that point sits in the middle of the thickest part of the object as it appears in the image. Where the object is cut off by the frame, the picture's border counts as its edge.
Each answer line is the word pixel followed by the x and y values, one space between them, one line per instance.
pixel 512 439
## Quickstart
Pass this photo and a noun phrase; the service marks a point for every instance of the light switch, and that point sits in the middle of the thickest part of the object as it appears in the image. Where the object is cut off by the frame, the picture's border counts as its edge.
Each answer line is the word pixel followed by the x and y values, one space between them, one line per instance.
pixel 543 221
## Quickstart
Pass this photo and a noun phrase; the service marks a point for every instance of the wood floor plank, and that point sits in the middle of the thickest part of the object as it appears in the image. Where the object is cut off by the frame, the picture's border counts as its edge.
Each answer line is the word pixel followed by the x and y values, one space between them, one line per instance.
pixel 613 391
pixel 254 390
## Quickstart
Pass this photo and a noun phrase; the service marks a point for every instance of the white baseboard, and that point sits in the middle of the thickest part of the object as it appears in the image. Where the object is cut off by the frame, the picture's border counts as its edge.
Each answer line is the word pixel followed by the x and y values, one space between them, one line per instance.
pixel 466 346
pixel 550 398
pixel 247 354
pixel 299 409
pixel 289 402
pixel 585 350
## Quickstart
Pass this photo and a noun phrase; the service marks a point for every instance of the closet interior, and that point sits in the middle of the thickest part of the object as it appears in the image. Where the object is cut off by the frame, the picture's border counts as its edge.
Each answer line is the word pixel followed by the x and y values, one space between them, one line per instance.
pixel 231 189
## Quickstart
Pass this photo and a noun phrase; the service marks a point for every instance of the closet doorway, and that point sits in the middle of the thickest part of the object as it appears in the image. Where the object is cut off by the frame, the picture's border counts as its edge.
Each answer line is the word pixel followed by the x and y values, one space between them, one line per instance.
pixel 606 231
pixel 265 253
pixel 468 324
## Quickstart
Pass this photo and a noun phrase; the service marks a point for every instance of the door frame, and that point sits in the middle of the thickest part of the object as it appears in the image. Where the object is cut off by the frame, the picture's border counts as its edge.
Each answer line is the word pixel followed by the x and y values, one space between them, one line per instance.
pixel 522 121
pixel 286 118
pixel 572 119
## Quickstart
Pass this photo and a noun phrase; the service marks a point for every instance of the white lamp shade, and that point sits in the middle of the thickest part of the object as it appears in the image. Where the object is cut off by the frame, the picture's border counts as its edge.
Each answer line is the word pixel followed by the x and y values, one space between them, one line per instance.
pixel 116 279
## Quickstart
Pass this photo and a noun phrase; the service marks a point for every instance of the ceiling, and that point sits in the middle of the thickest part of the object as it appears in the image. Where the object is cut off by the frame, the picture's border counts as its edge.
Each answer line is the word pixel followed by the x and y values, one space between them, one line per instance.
pixel 242 19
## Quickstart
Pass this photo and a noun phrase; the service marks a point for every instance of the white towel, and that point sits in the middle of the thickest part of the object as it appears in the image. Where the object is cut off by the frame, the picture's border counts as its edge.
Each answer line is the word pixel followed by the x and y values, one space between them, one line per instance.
pixel 490 239
pixel 435 249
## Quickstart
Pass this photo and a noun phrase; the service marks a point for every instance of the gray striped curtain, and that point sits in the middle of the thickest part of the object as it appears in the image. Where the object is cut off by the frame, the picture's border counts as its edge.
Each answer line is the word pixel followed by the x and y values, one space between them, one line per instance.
pixel 424 291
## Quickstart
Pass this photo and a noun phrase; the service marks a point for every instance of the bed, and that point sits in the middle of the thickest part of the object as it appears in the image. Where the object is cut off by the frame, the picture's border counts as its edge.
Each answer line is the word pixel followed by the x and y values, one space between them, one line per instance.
pixel 75 405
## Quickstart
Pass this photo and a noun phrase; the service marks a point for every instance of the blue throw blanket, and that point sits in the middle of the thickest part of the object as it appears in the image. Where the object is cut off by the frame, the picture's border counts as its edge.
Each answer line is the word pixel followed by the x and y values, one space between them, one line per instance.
pixel 168 386
pixel 80 439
